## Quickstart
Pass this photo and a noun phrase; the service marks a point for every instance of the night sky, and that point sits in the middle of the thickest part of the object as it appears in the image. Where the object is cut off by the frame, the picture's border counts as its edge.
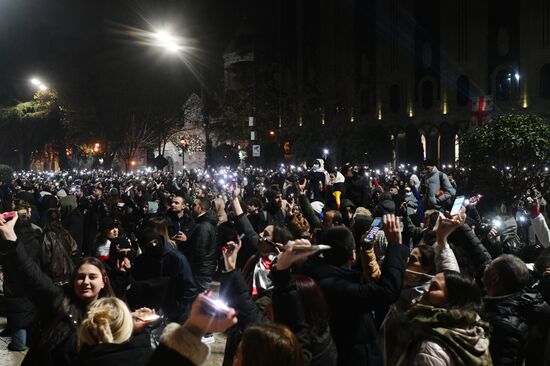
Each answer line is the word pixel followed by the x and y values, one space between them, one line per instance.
pixel 77 44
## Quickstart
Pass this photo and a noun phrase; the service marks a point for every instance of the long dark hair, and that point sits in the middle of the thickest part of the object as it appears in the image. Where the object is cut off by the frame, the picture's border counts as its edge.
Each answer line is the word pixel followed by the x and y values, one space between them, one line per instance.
pixel 313 303
pixel 270 345
pixel 281 234
pixel 462 292
pixel 54 225
pixel 427 256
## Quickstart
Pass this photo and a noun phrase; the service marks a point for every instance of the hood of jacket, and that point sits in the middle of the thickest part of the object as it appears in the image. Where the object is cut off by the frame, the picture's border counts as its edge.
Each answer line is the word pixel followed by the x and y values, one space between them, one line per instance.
pixel 460 332
pixel 321 164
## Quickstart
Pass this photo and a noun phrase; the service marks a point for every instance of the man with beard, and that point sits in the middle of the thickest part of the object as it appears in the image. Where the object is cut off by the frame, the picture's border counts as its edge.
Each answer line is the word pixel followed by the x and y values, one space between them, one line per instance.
pixel 276 214
pixel 162 270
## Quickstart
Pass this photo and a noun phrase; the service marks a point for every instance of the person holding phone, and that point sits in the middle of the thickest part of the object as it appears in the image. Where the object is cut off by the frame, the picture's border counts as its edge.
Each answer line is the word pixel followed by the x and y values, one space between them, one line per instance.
pixel 297 302
pixel 63 308
pixel 351 298
pixel 181 344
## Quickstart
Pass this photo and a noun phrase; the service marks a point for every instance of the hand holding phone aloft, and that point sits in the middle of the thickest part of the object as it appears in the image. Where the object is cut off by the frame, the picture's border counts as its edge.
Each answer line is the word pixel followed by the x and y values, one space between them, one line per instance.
pixel 289 256
pixel 202 320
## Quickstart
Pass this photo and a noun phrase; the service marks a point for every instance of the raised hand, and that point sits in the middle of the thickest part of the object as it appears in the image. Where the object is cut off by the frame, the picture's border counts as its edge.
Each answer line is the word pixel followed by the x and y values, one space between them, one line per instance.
pixel 230 251
pixel 289 256
pixel 204 323
pixel 7 231
pixel 392 228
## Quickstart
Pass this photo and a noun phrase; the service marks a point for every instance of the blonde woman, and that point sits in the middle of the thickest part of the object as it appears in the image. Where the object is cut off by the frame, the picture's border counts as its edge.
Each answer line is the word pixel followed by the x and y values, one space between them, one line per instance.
pixel 105 336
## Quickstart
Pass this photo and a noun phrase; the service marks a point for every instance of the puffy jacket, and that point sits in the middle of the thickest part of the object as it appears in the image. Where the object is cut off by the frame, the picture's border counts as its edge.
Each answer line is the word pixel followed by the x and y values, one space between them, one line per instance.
pixel 445 337
pixel 434 182
pixel 520 324
pixel 201 248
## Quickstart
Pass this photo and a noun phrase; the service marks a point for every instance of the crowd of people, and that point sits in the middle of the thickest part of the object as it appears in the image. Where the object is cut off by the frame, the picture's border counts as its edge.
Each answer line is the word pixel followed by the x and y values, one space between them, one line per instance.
pixel 316 266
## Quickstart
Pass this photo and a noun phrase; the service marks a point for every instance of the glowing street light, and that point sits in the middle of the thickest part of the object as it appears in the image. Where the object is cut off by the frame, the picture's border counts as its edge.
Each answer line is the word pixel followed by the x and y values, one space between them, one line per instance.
pixel 39 84
pixel 167 41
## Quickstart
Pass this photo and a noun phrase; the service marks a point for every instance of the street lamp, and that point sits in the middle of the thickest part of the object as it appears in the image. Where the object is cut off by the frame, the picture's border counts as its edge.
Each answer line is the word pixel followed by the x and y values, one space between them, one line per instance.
pixel 38 84
pixel 168 41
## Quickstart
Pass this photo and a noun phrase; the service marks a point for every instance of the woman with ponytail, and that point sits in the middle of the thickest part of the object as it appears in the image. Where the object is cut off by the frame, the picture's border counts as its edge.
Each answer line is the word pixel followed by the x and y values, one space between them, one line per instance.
pixel 105 336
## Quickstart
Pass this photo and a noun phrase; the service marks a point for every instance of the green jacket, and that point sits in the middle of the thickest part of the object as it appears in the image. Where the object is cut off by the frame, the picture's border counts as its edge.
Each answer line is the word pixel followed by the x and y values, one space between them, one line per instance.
pixel 460 333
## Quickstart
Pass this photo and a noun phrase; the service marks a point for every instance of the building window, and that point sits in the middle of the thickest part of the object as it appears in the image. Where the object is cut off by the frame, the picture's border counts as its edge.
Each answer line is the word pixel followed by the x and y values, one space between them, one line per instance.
pixel 395 98
pixel 462 90
pixel 504 85
pixel 424 144
pixel 427 91
pixel 457 148
pixel 545 81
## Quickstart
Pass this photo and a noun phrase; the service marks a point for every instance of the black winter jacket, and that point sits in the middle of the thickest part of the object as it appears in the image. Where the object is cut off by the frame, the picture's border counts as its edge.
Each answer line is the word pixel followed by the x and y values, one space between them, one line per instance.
pixel 249 241
pixel 520 323
pixel 20 310
pixel 173 266
pixel 201 248
pixel 234 290
pixel 352 301
pixel 134 352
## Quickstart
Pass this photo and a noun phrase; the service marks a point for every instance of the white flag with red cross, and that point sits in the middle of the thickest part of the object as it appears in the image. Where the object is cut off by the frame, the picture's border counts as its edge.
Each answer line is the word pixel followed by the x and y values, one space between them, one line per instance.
pixel 482 107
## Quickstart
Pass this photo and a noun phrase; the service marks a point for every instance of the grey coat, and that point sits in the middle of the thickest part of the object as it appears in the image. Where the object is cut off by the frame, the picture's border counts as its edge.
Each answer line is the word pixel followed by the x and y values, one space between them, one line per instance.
pixel 434 182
